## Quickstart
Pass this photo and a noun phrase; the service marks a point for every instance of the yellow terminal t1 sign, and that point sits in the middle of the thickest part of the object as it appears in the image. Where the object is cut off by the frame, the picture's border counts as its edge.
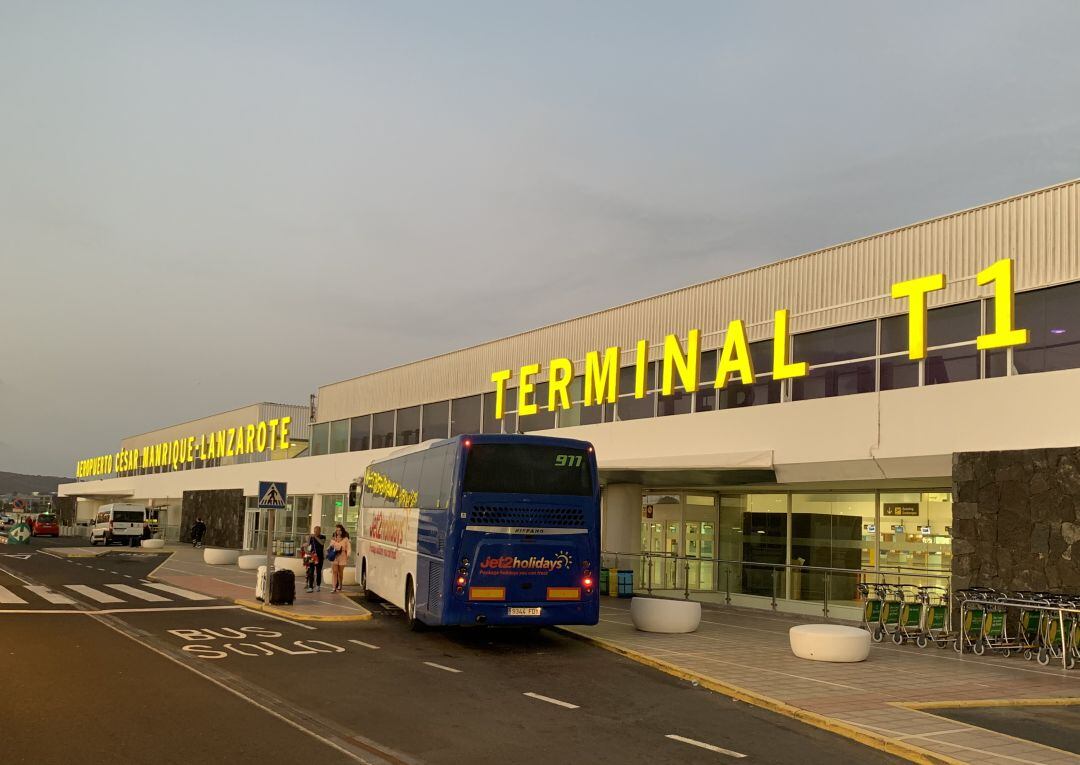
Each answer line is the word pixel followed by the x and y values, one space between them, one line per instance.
pixel 601 371
pixel 256 438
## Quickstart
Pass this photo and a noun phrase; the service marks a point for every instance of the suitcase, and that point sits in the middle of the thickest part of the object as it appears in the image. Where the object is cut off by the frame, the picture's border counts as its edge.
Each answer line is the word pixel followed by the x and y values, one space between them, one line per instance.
pixel 282 588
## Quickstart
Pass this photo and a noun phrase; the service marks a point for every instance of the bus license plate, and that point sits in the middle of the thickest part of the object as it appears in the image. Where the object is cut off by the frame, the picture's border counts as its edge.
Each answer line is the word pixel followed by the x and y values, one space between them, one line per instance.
pixel 532 611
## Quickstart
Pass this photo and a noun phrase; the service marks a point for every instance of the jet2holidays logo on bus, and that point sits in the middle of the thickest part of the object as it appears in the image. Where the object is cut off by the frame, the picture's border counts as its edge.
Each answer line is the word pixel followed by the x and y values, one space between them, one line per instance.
pixel 511 565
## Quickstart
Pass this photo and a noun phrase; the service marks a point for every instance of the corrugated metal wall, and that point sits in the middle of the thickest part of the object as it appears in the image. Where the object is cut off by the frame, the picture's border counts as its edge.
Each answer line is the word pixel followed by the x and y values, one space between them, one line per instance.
pixel 299 428
pixel 842 284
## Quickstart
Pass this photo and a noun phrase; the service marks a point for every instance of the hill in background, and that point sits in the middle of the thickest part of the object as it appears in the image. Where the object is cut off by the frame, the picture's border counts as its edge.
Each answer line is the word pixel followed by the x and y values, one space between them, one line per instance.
pixel 20 483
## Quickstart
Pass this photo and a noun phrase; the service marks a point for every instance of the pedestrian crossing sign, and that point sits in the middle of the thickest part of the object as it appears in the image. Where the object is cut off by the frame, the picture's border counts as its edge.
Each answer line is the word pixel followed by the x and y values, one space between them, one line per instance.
pixel 272 495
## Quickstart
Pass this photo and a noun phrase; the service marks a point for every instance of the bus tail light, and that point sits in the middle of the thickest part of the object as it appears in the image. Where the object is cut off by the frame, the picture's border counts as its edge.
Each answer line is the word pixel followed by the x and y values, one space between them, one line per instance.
pixel 587 583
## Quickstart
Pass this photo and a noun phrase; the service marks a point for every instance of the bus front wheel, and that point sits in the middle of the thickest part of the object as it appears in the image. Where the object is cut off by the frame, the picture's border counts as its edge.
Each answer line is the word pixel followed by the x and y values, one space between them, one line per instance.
pixel 410 608
pixel 369 596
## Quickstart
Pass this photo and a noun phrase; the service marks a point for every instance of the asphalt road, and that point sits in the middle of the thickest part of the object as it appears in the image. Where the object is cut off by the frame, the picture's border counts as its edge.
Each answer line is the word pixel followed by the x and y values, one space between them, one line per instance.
pixel 1057 726
pixel 148 682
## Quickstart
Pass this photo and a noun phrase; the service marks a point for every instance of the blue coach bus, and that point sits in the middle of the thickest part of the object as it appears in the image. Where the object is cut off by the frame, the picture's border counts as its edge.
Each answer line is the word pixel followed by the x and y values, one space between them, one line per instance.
pixel 483 529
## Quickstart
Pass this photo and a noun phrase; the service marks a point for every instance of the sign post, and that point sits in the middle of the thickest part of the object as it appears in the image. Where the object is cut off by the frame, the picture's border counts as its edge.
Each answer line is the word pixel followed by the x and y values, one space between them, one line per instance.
pixel 272 497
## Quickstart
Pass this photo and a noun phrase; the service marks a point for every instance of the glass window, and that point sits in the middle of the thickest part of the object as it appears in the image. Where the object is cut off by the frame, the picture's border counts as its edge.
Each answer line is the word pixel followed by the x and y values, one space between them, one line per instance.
pixel 897 371
pixel 706 395
pixel 302 505
pixel 436 420
pixel 320 438
pixel 528 469
pixel 764 391
pixel 629 407
pixel 510 418
pixel 333 512
pixel 831 530
pixel 915 533
pixel 410 477
pixel 360 434
pixel 382 430
pixel 578 413
pixel 952 324
pixel 408 426
pixel 543 419
pixel 490 424
pixel 1053 317
pixel 751 540
pixel 465 416
pixel 840 380
pixel 851 341
pixel 339 436
pixel 431 478
pixel 661 537
pixel 947 365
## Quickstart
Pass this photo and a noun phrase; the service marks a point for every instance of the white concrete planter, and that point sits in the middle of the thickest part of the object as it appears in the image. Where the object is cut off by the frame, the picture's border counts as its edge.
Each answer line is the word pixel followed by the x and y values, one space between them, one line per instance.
pixel 829 642
pixel 216 556
pixel 296 565
pixel 349 577
pixel 663 615
pixel 153 544
pixel 251 562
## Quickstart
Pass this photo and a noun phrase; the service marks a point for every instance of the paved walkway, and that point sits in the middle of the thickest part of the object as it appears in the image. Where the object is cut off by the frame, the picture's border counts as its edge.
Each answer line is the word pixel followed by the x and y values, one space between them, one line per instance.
pixel 185 568
pixel 745 653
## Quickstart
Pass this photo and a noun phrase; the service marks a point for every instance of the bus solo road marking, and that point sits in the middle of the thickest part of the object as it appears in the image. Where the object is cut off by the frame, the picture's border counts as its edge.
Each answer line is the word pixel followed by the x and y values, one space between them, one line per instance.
pixel 199 639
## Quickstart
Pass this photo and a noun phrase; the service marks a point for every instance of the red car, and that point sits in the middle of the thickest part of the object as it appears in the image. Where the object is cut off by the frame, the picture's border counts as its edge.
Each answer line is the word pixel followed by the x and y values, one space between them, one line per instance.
pixel 45 525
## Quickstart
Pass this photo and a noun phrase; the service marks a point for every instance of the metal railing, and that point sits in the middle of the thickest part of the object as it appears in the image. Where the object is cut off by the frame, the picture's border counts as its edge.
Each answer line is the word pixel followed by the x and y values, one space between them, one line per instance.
pixel 722 571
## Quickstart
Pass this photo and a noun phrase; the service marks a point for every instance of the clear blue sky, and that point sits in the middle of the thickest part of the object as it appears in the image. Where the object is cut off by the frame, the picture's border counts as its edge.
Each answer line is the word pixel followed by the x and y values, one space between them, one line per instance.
pixel 208 204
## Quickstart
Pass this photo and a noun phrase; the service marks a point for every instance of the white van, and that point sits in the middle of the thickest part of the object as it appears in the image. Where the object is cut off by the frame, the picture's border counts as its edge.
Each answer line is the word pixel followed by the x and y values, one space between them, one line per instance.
pixel 118 522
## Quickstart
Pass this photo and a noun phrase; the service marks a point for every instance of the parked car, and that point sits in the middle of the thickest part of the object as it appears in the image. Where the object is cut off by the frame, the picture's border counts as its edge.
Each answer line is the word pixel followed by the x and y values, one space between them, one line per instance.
pixel 45 525
pixel 119 522
pixel 6 521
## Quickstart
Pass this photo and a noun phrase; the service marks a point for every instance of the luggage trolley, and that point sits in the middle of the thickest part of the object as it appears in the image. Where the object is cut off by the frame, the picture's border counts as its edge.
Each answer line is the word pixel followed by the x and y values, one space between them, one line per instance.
pixel 935 623
pixel 912 610
pixel 972 616
pixel 1053 642
pixel 873 596
pixel 892 604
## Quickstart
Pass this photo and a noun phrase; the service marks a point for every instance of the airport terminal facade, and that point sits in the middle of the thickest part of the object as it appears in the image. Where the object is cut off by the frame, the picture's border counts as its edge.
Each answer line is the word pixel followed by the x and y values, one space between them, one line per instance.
pixel 824 411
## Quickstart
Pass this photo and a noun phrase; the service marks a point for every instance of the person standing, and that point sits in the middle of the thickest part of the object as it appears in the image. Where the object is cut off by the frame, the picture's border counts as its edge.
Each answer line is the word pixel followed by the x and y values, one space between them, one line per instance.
pixel 314 555
pixel 341 546
pixel 198 529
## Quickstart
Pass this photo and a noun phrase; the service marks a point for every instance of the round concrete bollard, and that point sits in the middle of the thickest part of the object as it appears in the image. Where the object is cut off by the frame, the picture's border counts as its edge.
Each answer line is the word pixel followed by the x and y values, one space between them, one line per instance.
pixel 153 544
pixel 296 565
pixel 348 578
pixel 217 556
pixel 663 615
pixel 829 642
pixel 251 562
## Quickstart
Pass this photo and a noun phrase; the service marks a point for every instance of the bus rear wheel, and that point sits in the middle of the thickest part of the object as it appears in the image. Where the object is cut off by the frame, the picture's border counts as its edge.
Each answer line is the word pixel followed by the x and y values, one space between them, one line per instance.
pixel 410 608
pixel 369 596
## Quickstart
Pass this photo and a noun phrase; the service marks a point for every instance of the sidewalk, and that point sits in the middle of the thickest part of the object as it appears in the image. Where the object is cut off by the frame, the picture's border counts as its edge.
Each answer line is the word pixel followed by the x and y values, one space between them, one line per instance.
pixel 185 568
pixel 745 654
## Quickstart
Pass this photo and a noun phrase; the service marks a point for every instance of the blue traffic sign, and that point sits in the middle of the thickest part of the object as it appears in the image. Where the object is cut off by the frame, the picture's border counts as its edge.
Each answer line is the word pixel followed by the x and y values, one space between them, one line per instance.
pixel 272 495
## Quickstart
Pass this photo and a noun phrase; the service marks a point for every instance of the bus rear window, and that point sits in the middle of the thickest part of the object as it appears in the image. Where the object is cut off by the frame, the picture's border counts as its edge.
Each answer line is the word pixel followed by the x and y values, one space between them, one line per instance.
pixel 528 469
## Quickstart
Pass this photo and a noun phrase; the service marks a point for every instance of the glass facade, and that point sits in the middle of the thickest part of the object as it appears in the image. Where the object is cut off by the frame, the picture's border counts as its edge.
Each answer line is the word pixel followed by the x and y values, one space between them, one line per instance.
pixel 854 358
pixel 778 544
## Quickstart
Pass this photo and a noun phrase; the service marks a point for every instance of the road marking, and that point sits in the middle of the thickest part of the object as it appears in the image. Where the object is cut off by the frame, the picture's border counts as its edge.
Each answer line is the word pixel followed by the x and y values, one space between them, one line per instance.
pixel 440 666
pixel 52 597
pixel 103 570
pixel 703 745
pixel 550 700
pixel 90 592
pixel 366 645
pixel 93 612
pixel 127 576
pixel 129 590
pixel 7 596
pixel 186 594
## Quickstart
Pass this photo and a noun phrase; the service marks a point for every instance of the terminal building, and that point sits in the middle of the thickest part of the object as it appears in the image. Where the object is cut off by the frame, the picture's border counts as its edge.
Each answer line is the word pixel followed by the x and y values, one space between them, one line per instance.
pixel 905 402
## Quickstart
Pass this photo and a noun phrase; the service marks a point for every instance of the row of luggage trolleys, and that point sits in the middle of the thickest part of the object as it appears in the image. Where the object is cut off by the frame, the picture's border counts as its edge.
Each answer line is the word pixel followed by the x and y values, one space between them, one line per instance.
pixel 1039 625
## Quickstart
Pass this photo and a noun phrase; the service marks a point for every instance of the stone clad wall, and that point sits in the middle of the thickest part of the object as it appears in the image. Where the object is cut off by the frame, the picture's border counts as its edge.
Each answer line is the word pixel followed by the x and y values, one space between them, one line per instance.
pixel 1016 520
pixel 222 510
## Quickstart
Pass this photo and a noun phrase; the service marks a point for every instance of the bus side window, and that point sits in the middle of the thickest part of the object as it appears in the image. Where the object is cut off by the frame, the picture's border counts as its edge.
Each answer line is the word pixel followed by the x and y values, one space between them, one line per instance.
pixel 431 477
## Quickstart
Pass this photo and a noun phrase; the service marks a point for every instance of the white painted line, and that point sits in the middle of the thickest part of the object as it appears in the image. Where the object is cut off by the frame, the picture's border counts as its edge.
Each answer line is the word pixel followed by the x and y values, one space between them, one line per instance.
pixel 440 666
pixel 103 570
pixel 127 576
pixel 90 592
pixel 52 597
pixel 366 645
pixel 91 612
pixel 186 594
pixel 140 594
pixel 703 745
pixel 7 596
pixel 550 700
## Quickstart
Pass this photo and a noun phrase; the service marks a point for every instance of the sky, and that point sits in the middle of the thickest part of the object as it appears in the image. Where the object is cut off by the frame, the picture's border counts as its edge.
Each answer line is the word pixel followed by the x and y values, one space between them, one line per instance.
pixel 205 205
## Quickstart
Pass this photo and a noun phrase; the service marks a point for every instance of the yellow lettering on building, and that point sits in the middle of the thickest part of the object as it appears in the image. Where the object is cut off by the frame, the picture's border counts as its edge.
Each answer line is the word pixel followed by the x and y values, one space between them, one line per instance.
pixel 688 365
pixel 602 379
pixel 283 432
pixel 500 378
pixel 735 356
pixel 915 291
pixel 526 403
pixel 1005 335
pixel 560 374
pixel 641 369
pixel 782 369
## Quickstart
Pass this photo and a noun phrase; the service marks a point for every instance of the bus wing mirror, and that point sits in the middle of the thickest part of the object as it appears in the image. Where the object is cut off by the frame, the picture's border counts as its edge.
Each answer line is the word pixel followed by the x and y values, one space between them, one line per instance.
pixel 352 495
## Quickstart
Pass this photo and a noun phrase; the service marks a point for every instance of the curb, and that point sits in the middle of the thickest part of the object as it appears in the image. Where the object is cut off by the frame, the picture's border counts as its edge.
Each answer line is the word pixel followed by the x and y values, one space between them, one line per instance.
pixel 255 605
pixel 922 706
pixel 832 725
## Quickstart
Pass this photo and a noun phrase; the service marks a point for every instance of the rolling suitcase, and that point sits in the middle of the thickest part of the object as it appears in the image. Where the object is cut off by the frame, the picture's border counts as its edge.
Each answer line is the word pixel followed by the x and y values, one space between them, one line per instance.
pixel 282 588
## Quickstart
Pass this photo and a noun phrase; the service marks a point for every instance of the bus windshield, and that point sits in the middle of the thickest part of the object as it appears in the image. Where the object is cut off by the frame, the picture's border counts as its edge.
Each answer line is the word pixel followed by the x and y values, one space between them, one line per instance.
pixel 528 469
